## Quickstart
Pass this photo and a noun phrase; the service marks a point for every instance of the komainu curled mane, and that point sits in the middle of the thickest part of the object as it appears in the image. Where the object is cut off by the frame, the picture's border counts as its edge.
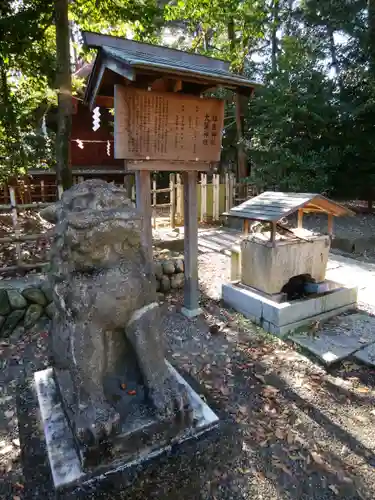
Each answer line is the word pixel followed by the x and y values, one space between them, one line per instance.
pixel 106 311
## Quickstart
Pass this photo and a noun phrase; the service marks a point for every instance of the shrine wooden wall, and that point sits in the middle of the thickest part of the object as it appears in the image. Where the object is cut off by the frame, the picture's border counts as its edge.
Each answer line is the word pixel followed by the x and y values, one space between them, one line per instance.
pixel 94 152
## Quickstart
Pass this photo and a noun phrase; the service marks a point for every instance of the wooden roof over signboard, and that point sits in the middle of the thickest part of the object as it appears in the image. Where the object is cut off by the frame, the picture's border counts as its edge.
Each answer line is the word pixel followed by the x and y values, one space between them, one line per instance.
pixel 272 206
pixel 140 64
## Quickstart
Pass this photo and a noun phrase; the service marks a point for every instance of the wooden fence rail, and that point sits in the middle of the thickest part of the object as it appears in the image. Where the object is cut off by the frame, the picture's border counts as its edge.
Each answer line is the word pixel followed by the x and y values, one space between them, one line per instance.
pixel 215 196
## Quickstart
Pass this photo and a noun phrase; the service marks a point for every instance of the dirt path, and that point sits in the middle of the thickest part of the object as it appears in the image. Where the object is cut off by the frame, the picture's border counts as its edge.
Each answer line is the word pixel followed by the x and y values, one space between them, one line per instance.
pixel 290 429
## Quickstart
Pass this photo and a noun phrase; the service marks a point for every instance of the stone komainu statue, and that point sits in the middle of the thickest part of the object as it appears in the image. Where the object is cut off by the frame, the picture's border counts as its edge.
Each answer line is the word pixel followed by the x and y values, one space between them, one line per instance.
pixel 107 326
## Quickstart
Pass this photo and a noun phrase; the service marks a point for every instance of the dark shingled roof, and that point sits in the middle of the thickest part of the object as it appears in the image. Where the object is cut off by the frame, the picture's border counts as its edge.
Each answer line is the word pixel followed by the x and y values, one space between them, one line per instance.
pixel 272 206
pixel 127 59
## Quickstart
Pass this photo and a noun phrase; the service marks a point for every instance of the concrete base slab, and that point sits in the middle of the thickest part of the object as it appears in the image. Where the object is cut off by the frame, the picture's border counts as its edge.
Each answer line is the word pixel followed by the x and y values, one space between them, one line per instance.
pixel 366 355
pixel 191 313
pixel 64 459
pixel 281 318
pixel 340 337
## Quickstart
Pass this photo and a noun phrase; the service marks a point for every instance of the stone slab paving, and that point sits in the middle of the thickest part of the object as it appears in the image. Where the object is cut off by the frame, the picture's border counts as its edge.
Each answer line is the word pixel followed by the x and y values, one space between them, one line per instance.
pixel 366 355
pixel 339 337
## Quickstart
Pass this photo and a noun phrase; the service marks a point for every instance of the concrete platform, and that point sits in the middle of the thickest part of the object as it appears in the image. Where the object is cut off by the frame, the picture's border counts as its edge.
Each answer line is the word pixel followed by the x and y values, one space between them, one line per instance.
pixel 281 318
pixel 64 459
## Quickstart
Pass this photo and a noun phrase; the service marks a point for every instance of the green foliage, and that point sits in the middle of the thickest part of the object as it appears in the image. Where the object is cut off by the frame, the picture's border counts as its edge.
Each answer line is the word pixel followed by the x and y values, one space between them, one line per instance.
pixel 310 128
pixel 28 67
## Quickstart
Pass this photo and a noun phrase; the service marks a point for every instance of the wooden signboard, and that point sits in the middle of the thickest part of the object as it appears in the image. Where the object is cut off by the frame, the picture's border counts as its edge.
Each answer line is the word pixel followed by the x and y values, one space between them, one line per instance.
pixel 167 126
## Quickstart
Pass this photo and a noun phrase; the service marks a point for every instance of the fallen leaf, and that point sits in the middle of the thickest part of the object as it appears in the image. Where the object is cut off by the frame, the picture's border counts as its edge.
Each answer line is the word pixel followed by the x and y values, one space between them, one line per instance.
pixel 363 389
pixel 260 475
pixel 224 390
pixel 279 434
pixel 260 377
pixel 270 390
pixel 284 468
pixel 334 489
pixel 242 409
pixel 290 437
pixel 317 458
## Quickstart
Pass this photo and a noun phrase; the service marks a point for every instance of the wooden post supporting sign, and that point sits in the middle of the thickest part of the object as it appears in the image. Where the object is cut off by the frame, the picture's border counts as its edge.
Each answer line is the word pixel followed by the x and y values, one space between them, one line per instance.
pixel 143 203
pixel 191 292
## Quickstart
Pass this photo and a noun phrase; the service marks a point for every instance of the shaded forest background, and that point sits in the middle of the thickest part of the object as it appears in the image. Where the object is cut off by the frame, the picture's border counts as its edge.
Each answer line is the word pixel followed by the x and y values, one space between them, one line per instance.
pixel 309 128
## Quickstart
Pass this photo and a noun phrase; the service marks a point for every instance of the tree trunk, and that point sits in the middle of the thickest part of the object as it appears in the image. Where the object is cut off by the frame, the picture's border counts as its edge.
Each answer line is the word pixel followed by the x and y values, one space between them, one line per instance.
pixel 371 36
pixel 241 154
pixel 274 41
pixel 64 88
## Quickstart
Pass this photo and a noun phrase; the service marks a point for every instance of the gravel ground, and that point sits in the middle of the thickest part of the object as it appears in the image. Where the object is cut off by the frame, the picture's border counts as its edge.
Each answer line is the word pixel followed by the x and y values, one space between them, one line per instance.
pixel 290 429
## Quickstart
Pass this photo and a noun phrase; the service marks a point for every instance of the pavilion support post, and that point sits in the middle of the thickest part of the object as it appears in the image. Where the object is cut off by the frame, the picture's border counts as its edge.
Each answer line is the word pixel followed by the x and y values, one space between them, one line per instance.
pixel 191 291
pixel 143 203
pixel 273 233
pixel 300 218
pixel 330 224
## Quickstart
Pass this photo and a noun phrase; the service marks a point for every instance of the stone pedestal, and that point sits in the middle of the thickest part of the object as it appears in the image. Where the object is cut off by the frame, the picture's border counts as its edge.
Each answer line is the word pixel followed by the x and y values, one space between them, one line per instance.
pixel 142 437
pixel 278 316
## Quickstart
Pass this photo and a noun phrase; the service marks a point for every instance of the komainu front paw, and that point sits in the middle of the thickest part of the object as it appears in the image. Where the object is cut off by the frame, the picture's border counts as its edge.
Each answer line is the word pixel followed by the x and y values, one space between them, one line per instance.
pixel 96 422
pixel 171 401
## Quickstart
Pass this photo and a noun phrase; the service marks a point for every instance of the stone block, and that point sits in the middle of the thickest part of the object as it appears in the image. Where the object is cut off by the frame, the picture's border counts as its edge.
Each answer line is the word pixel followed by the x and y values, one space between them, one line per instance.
pixel 47 290
pixel 4 303
pixel 165 284
pixel 16 300
pixel 243 301
pixel 177 280
pixel 294 311
pixel 268 267
pixel 179 265
pixel 366 355
pixel 168 267
pixel 280 318
pixel 11 322
pixel 158 270
pixel 338 339
pixel 35 295
pixel 50 310
pixel 33 313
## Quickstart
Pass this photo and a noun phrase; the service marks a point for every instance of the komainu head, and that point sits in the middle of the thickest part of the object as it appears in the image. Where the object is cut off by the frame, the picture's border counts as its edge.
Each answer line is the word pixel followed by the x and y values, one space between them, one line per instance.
pixel 97 227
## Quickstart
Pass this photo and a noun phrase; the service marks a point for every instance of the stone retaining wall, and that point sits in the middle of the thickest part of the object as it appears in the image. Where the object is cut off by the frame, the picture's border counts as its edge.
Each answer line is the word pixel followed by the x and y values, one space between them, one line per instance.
pixel 25 306
pixel 169 274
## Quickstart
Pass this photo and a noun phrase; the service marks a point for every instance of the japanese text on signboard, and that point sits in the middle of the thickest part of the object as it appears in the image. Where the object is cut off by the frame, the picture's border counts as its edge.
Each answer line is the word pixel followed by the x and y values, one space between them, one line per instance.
pixel 156 126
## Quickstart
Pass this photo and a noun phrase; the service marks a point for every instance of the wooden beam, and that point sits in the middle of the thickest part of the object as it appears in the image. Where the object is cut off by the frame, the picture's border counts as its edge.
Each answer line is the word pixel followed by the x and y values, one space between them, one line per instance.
pixel 167 166
pixel 105 101
pixel 246 226
pixel 120 68
pixel 191 289
pixel 143 203
pixel 177 85
pixel 97 86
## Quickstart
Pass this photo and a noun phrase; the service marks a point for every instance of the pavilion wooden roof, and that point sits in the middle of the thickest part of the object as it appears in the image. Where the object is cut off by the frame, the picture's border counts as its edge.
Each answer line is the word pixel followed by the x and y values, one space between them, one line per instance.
pixel 124 61
pixel 272 206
